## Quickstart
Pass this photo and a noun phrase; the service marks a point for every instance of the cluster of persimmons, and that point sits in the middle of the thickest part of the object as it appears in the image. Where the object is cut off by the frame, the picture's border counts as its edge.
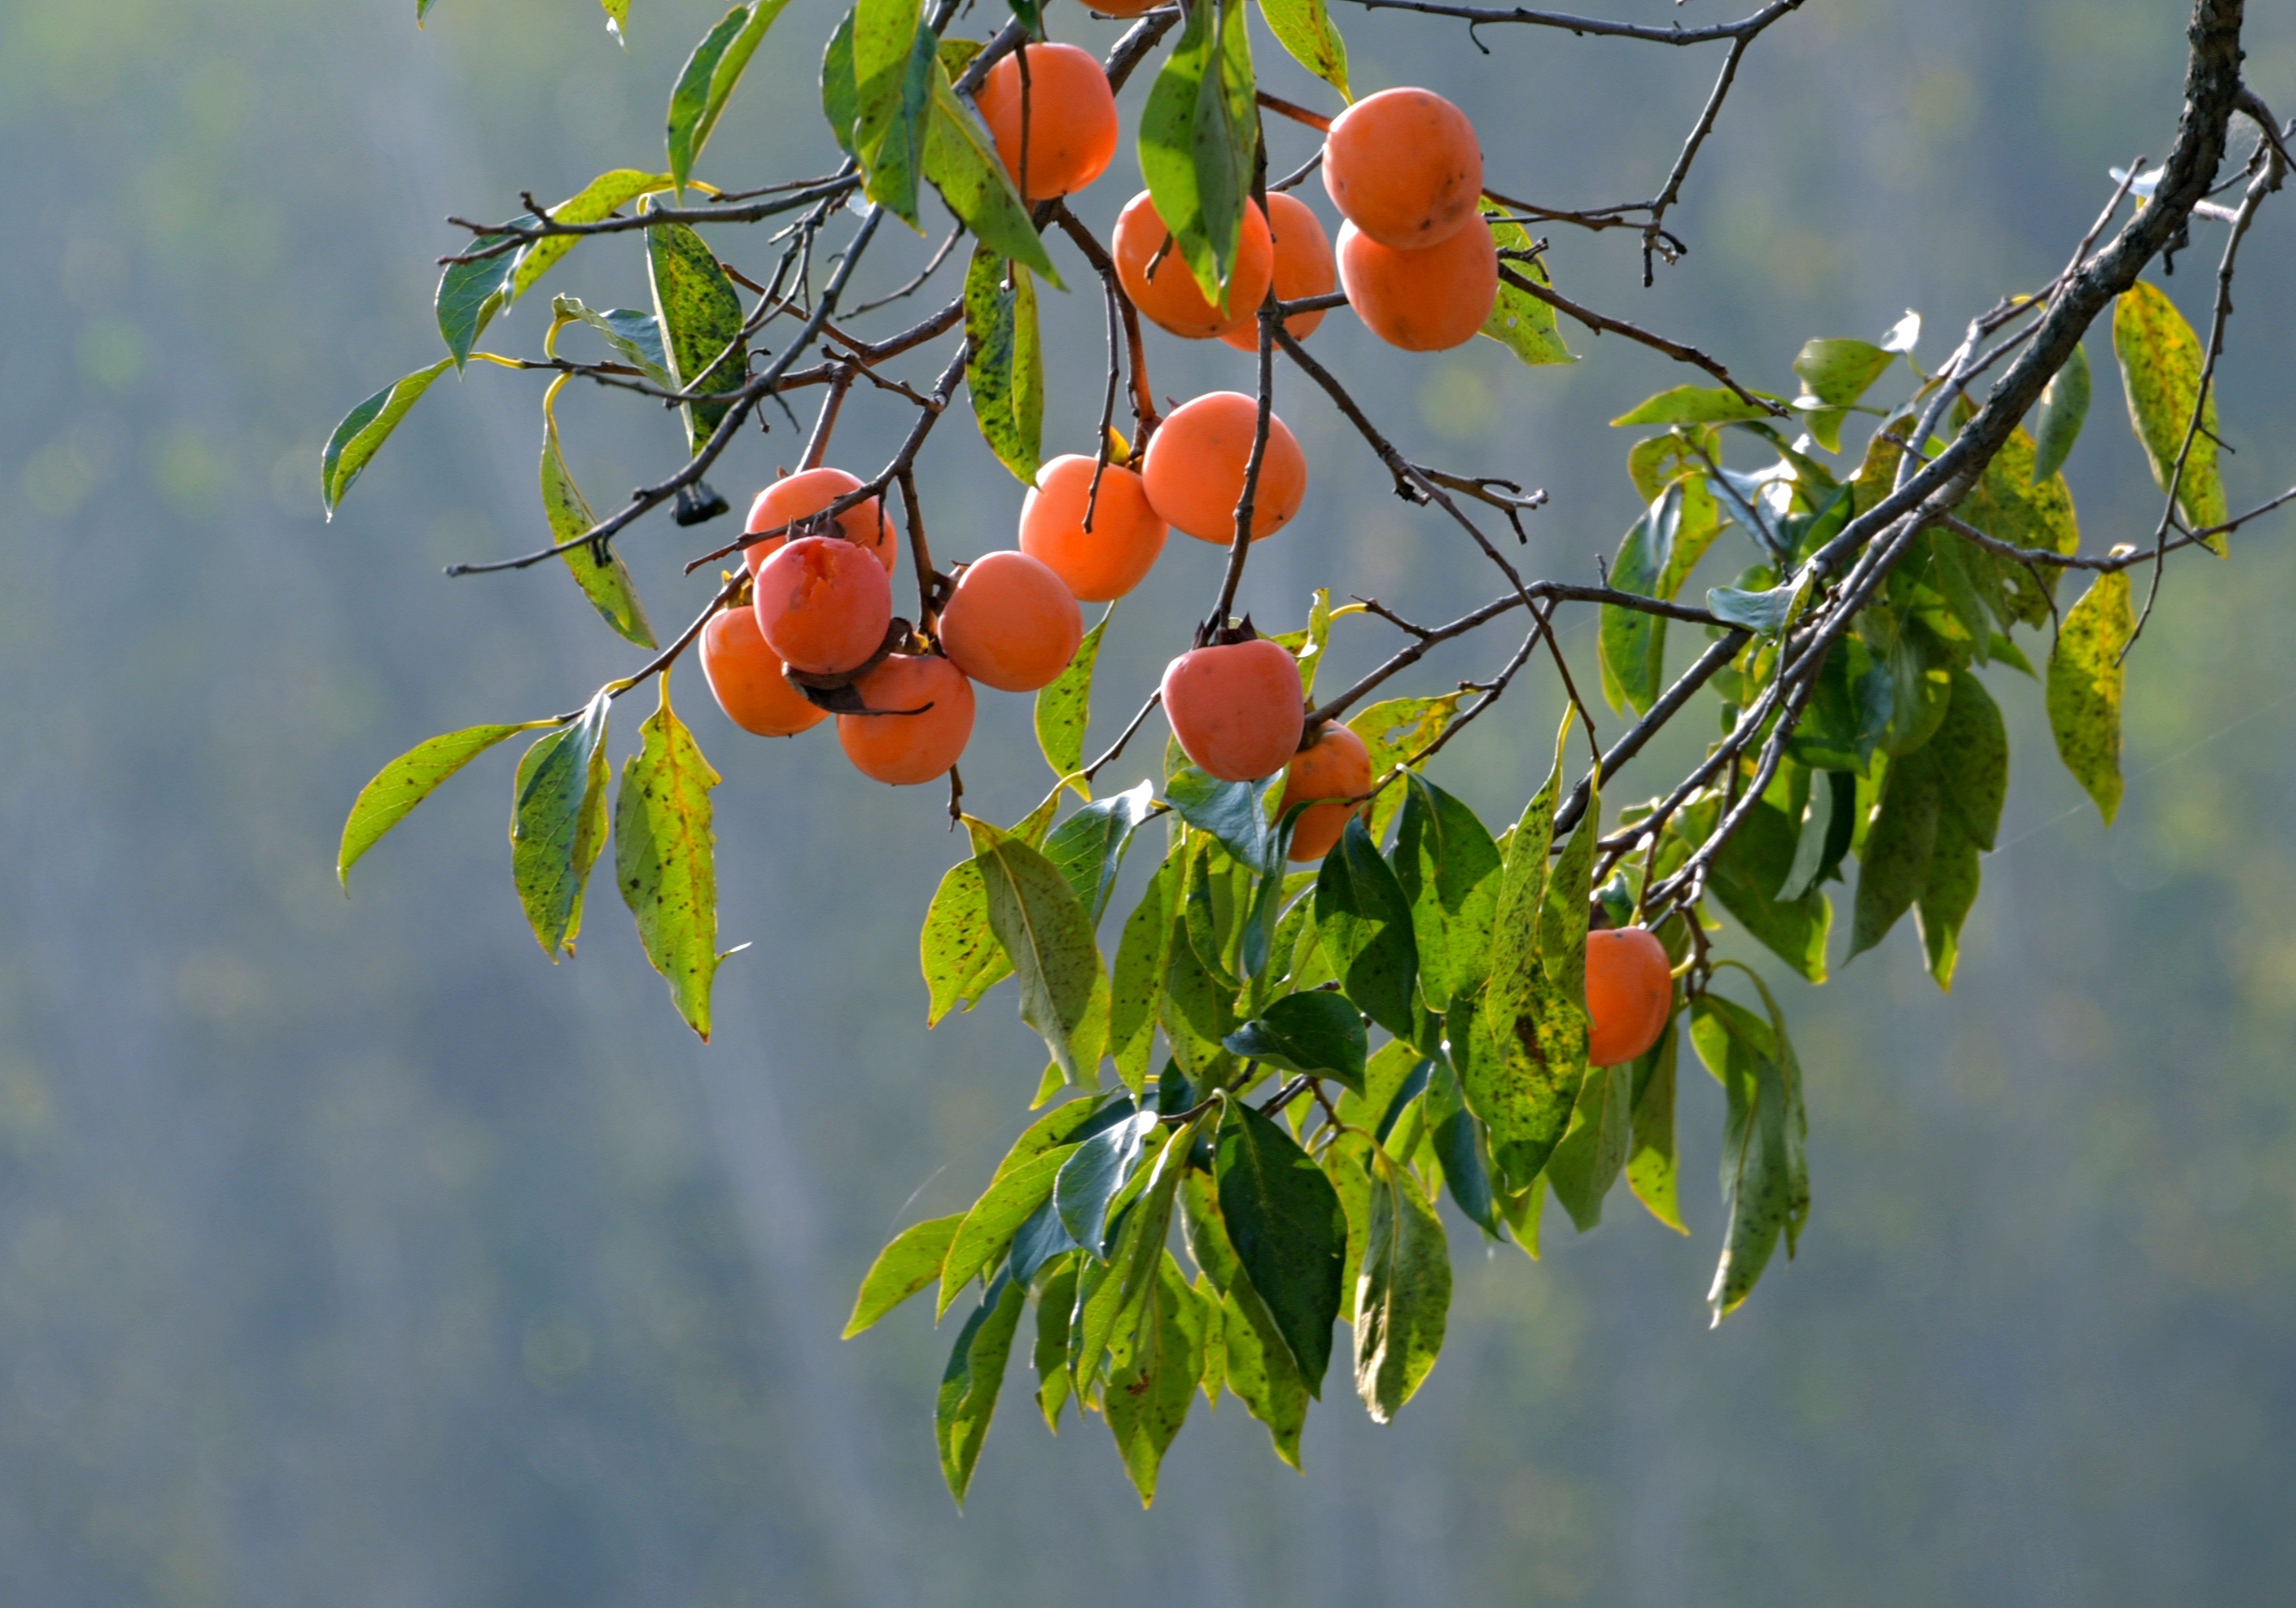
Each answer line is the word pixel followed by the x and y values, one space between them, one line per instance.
pixel 1420 269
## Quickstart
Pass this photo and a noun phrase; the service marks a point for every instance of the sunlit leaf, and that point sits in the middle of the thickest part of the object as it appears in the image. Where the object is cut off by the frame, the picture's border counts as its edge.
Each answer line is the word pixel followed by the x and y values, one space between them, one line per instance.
pixel 1305 30
pixel 1004 362
pixel 903 1268
pixel 1764 1177
pixel 970 1384
pixel 1448 869
pixel 634 335
pixel 1403 1293
pixel 1362 921
pixel 1520 321
pixel 962 161
pixel 1651 1170
pixel 1048 936
pixel 609 585
pixel 665 858
pixel 600 198
pixel 1198 136
pixel 1321 1034
pixel 2084 688
pixel 558 824
pixel 406 782
pixel 708 77
pixel 701 318
pixel 2161 365
pixel 365 427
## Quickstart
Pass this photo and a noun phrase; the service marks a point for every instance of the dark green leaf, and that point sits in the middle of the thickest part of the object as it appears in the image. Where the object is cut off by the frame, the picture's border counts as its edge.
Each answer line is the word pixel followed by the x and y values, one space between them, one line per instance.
pixel 1230 811
pixel 841 93
pixel 1749 875
pixel 1137 992
pixel 1320 1034
pixel 1520 321
pixel 1289 1232
pixel 1894 866
pixel 2161 366
pixel 471 293
pixel 1449 871
pixel 608 585
pixel 1594 1150
pixel 558 824
pixel 2065 408
pixel 365 427
pixel 902 1268
pixel 1823 837
pixel 1765 1179
pixel 1064 709
pixel 962 161
pixel 1089 846
pixel 1055 1305
pixel 1261 1370
pixel 989 1228
pixel 2084 688
pixel 970 1385
pixel 1403 1294
pixel 405 783
pixel 1004 365
pixel 1305 30
pixel 1091 1177
pixel 1364 923
pixel 894 65
pixel 665 860
pixel 1460 1147
pixel 708 77
pixel 1387 1072
pixel 1197 1010
pixel 1048 937
pixel 700 320
pixel 1848 713
pixel 1948 893
pixel 1109 1294
pixel 1971 751
pixel 1650 1164
pixel 1198 136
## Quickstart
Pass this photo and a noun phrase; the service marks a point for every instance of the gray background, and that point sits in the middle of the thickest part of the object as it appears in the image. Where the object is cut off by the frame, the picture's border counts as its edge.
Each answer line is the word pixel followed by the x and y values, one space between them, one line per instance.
pixel 350 1253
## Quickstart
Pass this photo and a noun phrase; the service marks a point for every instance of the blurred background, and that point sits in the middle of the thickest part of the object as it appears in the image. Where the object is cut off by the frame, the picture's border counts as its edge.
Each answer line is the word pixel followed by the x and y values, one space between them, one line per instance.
pixel 350 1253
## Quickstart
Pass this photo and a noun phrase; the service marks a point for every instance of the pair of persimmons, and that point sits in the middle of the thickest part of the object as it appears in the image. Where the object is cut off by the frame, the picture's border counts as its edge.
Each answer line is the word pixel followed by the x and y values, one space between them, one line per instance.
pixel 1403 167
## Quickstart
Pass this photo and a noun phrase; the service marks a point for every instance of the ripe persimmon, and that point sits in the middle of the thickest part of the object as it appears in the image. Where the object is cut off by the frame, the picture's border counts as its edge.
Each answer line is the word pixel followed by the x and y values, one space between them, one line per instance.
pixel 1335 766
pixel 1236 709
pixel 1405 166
pixel 1629 994
pixel 1303 268
pixel 1427 300
pixel 745 677
pixel 808 491
pixel 824 604
pixel 1071 122
pixel 1156 277
pixel 928 722
pixel 1194 470
pixel 1101 565
pixel 1012 622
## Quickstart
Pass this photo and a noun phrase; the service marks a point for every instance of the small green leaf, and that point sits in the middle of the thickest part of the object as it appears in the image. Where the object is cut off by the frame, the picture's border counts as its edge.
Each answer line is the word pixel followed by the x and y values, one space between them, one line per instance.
pixel 841 94
pixel 2065 408
pixel 1449 870
pixel 1321 1034
pixel 1971 751
pixel 1230 811
pixel 1048 936
pixel 971 1384
pixel 1153 1375
pixel 1403 1295
pixel 1288 1230
pixel 2084 688
pixel 1834 373
pixel 1199 137
pixel 1651 1171
pixel 1948 893
pixel 962 161
pixel 1011 1199
pixel 1091 1176
pixel 1693 404
pixel 1005 364
pixel 960 957
pixel 2161 365
pixel 1363 922
pixel 708 77
pixel 405 783
pixel 1136 993
pixel 1594 1150
pixel 1055 1305
pixel 1765 1176
pixel 558 824
pixel 471 293
pixel 634 335
pixel 1305 30
pixel 1089 846
pixel 701 320
pixel 1460 1147
pixel 903 1268
pixel 1750 874
pixel 1064 709
pixel 1307 646
pixel 617 19
pixel 1520 321
pixel 597 200
pixel 1394 731
pixel 1260 1371
pixel 895 62
pixel 1894 866
pixel 609 585
pixel 365 427
pixel 665 860
pixel 1764 613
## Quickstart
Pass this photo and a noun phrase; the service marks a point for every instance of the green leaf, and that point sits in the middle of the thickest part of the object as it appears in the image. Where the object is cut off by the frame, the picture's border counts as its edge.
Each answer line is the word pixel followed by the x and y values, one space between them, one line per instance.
pixel 2161 366
pixel 1260 1371
pixel 1460 1147
pixel 1834 373
pixel 1764 613
pixel 2011 507
pixel 1693 404
pixel 1393 731
pixel 471 293
pixel 665 858
pixel 1305 30
pixel 1448 869
pixel 1320 1034
pixel 1749 876
pixel 405 783
pixel 599 198
pixel 558 824
pixel 1651 1170
pixel 1631 645
pixel 1403 1294
pixel 1520 321
pixel 1197 1010
pixel 1230 811
pixel 1011 1199
pixel 1894 866
pixel 1136 993
pixel 1948 892
pixel 1594 1150
pixel 632 334
pixel 971 1384
pixel 700 320
pixel 618 17
pixel 1199 137
pixel 1089 846
pixel 2084 688
pixel 895 62
pixel 1289 1232
pixel 1363 922
pixel 609 585
pixel 1111 1294
pixel 962 161
pixel 903 1268
pixel 1307 646
pixel 1153 1375
pixel 1765 1176
pixel 2065 408
pixel 1848 713
pixel 841 93
pixel 1828 821
pixel 1056 1306
pixel 959 954
pixel 1048 937
pixel 1091 1176
pixel 1064 709
pixel 1971 751
pixel 708 77
pixel 1005 364
pixel 365 427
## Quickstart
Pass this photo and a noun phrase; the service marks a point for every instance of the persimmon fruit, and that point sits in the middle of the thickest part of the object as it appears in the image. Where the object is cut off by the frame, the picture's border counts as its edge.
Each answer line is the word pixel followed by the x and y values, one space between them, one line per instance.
pixel 928 723
pixel 1427 300
pixel 824 604
pixel 1156 277
pixel 1303 268
pixel 794 497
pixel 1403 165
pixel 1012 622
pixel 745 677
pixel 1335 767
pixel 1236 709
pixel 1101 565
pixel 1629 994
pixel 1194 470
pixel 1071 122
